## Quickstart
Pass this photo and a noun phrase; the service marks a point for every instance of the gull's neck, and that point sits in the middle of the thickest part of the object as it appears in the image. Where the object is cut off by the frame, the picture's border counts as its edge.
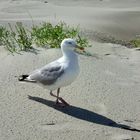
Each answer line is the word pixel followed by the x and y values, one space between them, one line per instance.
pixel 70 55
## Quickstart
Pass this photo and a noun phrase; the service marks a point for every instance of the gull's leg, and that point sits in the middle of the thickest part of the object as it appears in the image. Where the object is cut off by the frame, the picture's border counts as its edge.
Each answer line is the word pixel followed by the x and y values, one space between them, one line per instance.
pixel 63 102
pixel 53 95
pixel 61 99
pixel 57 100
pixel 57 97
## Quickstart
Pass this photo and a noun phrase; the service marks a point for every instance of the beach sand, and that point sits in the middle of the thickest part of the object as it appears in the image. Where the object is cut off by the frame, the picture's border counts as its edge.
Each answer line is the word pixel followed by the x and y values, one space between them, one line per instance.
pixel 120 19
pixel 106 95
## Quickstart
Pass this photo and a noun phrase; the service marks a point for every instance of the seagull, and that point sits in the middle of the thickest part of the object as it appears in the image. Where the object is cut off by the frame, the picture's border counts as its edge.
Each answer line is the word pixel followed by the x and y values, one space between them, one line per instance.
pixel 59 73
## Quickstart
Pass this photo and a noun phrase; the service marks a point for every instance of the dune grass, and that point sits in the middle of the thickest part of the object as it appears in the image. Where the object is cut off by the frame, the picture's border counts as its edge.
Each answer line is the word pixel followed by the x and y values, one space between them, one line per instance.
pixel 15 39
pixel 19 38
pixel 135 42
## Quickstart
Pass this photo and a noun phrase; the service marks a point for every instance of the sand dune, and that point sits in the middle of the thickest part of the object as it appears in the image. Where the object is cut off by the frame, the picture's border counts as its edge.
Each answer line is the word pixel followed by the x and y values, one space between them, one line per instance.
pixel 120 19
pixel 105 99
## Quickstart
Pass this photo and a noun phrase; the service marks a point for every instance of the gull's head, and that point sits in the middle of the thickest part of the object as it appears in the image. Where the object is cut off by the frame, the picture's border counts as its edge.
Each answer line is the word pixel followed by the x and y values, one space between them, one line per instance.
pixel 69 44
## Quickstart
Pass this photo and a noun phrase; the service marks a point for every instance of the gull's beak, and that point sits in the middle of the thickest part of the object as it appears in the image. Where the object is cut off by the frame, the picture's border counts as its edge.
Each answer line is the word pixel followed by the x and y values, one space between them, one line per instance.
pixel 80 48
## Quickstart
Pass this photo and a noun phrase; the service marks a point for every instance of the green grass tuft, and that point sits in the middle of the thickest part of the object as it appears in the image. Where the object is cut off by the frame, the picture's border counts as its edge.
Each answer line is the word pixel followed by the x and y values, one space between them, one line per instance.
pixel 135 42
pixel 53 35
pixel 15 39
pixel 19 38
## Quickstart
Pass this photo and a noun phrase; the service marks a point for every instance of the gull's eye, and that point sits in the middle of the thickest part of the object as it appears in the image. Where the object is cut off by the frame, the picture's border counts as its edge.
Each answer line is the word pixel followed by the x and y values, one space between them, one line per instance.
pixel 69 42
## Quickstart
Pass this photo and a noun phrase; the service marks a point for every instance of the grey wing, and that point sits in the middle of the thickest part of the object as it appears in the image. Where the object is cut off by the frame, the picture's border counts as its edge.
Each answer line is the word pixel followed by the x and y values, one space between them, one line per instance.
pixel 48 74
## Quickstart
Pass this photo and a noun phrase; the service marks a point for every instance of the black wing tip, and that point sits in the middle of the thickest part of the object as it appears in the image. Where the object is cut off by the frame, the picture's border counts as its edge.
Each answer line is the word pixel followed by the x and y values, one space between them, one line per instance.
pixel 22 77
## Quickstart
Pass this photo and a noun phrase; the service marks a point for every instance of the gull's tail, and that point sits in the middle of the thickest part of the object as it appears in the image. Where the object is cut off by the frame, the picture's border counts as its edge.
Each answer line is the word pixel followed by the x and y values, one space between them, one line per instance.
pixel 23 77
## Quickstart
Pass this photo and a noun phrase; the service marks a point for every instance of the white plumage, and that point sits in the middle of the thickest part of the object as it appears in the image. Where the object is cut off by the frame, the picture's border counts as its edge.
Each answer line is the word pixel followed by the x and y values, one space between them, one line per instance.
pixel 58 73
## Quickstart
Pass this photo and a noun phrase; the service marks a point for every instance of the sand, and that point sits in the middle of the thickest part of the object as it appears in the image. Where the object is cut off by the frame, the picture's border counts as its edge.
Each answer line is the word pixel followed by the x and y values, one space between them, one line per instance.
pixel 120 19
pixel 105 97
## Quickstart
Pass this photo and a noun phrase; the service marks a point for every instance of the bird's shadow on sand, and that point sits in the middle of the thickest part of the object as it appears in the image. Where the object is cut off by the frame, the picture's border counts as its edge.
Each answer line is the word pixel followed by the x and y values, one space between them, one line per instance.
pixel 84 114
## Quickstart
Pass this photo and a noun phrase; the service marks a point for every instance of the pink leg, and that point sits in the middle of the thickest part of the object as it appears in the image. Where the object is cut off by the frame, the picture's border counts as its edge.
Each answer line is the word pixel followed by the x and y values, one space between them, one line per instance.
pixel 62 102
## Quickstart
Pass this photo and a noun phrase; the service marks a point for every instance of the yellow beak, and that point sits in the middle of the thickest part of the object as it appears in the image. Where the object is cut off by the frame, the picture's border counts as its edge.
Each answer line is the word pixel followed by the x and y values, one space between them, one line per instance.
pixel 80 48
